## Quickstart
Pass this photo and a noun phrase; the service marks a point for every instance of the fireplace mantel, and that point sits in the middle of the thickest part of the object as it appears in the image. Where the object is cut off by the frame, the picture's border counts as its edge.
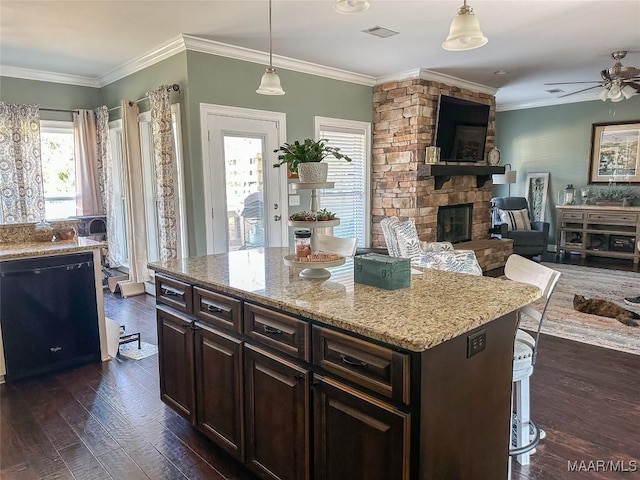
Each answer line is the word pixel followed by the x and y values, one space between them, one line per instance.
pixel 443 173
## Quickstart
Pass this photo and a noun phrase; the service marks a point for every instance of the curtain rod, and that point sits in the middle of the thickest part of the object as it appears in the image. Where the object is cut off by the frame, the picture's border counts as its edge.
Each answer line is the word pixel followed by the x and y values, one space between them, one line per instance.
pixel 171 88
pixel 58 110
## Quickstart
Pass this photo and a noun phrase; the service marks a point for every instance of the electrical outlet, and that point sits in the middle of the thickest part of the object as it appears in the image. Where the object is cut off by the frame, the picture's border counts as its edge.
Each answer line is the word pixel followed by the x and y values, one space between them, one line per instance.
pixel 291 190
pixel 476 342
pixel 294 200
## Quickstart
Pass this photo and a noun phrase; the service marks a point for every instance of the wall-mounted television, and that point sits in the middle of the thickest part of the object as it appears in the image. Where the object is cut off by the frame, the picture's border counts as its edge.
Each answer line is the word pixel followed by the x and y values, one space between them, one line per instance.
pixel 461 130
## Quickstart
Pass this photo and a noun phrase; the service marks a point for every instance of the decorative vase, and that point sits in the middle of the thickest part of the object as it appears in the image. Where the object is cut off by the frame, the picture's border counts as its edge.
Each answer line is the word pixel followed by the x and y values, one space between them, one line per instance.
pixel 313 172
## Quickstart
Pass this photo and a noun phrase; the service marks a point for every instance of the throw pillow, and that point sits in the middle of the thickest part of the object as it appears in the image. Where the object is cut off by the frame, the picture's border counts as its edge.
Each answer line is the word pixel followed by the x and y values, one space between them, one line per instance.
pixel 515 219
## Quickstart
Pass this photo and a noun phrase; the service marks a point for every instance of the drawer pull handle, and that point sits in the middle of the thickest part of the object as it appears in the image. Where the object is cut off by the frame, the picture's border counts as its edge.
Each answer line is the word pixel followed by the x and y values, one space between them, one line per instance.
pixel 355 363
pixel 272 330
pixel 213 308
pixel 170 292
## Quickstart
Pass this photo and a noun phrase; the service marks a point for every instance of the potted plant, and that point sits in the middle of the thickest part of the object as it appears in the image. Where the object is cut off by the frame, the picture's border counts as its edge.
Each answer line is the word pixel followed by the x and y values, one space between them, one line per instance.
pixel 305 159
pixel 614 195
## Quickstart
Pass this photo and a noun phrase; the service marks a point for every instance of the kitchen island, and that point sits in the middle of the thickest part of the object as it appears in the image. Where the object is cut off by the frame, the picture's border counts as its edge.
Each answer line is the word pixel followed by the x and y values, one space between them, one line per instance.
pixel 328 379
pixel 83 253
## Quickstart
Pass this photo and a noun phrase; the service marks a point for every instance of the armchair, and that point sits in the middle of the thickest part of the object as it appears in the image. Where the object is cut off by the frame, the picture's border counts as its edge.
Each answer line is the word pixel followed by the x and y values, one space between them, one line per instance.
pixel 513 218
pixel 402 241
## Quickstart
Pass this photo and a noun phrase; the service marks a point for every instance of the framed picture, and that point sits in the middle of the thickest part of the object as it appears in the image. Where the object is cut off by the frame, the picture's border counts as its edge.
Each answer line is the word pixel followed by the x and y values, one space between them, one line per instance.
pixel 615 155
pixel 468 144
pixel 536 194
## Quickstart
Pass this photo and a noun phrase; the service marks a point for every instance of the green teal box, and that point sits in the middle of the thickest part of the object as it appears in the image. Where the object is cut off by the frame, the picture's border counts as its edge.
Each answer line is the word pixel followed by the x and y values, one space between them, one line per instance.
pixel 382 271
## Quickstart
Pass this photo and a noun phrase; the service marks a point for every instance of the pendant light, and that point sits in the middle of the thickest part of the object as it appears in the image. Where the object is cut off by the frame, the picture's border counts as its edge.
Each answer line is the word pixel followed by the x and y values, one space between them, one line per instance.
pixel 465 33
pixel 270 83
pixel 351 6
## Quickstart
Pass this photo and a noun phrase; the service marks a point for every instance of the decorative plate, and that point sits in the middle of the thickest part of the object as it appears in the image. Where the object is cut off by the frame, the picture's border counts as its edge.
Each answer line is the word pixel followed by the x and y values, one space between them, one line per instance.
pixel 494 156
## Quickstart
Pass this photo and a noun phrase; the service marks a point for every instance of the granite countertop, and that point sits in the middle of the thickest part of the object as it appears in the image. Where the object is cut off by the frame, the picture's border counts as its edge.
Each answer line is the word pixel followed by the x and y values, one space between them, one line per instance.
pixel 13 251
pixel 436 307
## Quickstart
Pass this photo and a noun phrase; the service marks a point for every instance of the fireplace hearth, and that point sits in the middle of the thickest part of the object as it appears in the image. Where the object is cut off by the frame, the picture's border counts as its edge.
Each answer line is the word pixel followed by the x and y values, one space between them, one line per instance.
pixel 455 223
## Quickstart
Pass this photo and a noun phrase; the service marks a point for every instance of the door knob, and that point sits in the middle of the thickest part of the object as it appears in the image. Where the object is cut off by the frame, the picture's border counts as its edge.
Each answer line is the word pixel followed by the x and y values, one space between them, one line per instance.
pixel 277 218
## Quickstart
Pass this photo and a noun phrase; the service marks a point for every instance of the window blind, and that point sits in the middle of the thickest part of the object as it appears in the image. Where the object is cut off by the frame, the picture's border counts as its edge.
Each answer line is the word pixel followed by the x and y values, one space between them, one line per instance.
pixel 347 198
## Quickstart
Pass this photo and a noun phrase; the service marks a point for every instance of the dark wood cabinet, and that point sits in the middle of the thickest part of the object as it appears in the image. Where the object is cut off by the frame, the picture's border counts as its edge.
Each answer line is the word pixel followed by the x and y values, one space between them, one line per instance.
pixel 277 416
pixel 295 399
pixel 175 359
pixel 219 388
pixel 357 436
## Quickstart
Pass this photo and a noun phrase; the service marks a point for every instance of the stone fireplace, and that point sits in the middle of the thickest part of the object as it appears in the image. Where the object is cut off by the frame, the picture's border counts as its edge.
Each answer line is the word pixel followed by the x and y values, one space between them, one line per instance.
pixel 402 185
pixel 454 223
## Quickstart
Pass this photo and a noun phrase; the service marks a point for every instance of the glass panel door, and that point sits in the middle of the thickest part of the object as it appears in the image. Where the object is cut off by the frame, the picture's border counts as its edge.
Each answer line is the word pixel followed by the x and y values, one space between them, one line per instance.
pixel 244 191
pixel 242 194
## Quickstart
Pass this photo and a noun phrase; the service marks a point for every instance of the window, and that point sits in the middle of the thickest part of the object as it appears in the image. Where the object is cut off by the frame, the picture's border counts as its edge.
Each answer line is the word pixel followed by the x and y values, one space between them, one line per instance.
pixel 58 169
pixel 349 198
pixel 149 187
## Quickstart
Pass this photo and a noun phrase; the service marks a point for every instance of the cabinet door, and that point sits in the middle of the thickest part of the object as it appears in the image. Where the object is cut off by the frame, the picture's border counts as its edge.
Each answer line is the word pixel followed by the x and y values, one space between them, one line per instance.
pixel 175 359
pixel 219 388
pixel 357 437
pixel 277 415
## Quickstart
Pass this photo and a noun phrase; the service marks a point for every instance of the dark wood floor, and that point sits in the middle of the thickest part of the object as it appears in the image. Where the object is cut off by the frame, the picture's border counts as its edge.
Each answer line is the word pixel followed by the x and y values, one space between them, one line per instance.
pixel 106 421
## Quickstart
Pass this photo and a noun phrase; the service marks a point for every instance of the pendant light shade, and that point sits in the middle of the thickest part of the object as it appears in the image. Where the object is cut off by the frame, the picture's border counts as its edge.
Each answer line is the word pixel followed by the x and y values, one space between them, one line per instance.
pixel 465 33
pixel 351 6
pixel 270 82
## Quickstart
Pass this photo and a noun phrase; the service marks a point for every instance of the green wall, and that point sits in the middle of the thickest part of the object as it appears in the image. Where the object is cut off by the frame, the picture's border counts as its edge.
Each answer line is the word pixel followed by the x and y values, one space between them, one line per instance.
pixel 132 87
pixel 49 95
pixel 205 78
pixel 557 140
pixel 225 81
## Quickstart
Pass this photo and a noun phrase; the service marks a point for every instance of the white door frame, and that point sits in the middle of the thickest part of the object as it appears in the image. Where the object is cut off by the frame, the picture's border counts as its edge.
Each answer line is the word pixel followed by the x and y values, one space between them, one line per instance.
pixel 280 120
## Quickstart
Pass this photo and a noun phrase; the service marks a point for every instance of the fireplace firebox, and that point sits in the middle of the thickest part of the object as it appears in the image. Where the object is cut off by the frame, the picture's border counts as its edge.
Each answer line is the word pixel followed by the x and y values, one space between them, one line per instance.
pixel 455 223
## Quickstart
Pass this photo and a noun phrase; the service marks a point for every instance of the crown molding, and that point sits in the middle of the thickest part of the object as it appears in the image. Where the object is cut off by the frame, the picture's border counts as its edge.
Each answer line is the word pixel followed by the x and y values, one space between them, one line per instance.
pixel 45 76
pixel 212 47
pixel 432 76
pixel 547 102
pixel 164 50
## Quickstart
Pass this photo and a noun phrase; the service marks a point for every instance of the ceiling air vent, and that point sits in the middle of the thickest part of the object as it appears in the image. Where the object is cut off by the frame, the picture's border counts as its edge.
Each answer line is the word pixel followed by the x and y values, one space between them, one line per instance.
pixel 381 32
pixel 555 90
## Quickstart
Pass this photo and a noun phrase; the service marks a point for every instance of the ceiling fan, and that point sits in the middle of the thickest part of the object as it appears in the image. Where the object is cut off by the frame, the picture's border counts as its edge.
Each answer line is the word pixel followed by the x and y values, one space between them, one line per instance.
pixel 618 82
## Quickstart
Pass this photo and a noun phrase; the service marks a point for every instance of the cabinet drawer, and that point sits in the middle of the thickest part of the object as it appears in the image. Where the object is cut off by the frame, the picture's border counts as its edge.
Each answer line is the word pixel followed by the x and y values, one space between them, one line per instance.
pixel 377 368
pixel 216 309
pixel 277 330
pixel 568 216
pixel 174 293
pixel 616 218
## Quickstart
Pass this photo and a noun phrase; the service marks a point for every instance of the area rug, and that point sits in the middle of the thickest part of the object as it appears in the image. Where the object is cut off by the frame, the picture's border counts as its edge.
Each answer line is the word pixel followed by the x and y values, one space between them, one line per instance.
pixel 561 320
pixel 131 350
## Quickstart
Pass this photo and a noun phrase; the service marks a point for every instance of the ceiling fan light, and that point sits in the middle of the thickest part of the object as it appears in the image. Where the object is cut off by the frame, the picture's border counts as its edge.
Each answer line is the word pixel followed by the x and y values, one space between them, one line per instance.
pixel 628 91
pixel 351 6
pixel 619 98
pixel 604 94
pixel 464 33
pixel 270 83
pixel 614 91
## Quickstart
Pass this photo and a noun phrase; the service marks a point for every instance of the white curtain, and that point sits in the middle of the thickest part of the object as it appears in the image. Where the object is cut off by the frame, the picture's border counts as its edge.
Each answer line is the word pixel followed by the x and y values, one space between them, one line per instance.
pixel 21 187
pixel 166 171
pixel 88 195
pixel 105 182
pixel 134 201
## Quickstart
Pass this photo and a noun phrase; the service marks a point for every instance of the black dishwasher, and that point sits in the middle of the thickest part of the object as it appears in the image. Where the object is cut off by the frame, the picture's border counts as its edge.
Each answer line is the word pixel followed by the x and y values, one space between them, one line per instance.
pixel 48 314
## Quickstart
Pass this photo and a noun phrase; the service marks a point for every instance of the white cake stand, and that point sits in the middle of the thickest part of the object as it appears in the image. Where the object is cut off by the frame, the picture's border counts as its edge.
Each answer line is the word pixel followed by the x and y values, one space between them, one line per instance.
pixel 313 269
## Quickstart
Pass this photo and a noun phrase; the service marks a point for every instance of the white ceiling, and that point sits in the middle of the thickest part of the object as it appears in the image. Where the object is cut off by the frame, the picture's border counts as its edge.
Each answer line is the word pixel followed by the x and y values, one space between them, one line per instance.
pixel 536 41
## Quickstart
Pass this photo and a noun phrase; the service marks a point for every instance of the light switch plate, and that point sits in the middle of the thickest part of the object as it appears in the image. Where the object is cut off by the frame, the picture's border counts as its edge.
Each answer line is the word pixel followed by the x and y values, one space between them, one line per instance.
pixel 294 200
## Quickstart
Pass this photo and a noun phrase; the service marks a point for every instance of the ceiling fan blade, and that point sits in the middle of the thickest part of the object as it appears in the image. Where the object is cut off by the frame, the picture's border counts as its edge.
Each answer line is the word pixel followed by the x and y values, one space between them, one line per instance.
pixel 573 83
pixel 634 85
pixel 579 91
